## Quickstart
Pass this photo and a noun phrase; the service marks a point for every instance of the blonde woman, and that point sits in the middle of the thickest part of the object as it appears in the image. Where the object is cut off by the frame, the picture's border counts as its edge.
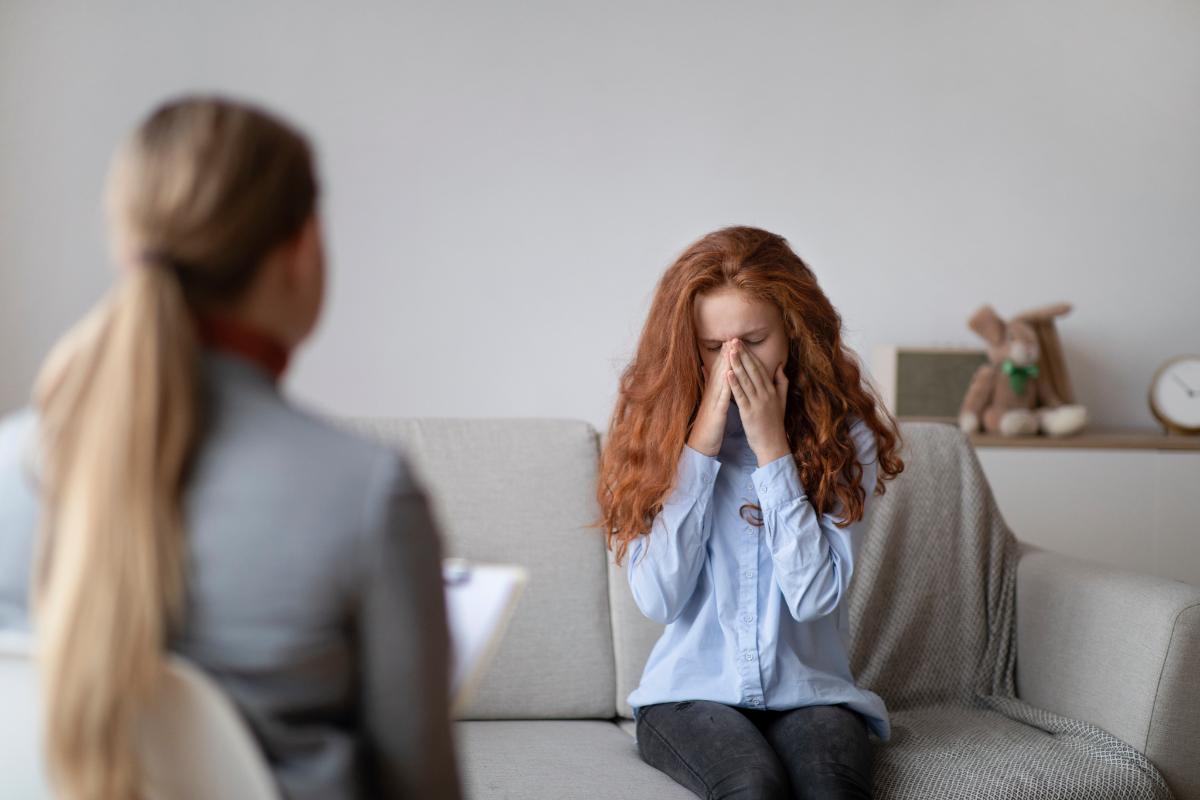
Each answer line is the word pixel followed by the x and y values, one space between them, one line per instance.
pixel 161 493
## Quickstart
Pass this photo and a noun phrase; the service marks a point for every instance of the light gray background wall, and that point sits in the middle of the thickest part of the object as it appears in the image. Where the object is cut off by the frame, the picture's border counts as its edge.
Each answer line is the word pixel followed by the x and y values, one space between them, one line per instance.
pixel 506 181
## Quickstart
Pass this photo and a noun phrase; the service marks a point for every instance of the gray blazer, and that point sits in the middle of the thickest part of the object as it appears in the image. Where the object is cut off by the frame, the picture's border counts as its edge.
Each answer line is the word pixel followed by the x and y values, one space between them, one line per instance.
pixel 314 590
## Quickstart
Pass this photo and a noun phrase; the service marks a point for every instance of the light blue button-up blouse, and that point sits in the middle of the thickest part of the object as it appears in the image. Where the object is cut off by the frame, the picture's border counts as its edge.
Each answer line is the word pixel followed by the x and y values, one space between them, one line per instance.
pixel 755 616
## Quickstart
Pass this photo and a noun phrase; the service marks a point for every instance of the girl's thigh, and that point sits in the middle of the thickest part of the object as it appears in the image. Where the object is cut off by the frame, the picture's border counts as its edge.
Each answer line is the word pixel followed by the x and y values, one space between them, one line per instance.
pixel 712 749
pixel 824 749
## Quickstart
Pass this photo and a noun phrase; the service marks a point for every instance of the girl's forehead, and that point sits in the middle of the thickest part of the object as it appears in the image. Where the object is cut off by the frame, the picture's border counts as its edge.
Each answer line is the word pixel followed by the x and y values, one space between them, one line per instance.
pixel 728 313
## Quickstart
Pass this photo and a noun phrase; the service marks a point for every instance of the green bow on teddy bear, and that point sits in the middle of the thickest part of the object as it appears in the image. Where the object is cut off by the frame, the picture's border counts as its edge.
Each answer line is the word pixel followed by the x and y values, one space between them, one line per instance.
pixel 1017 375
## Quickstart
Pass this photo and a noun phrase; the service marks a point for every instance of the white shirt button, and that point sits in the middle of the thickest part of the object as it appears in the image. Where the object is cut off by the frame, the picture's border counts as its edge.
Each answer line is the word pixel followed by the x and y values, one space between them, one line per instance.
pixel 747 618
pixel 754 701
pixel 749 656
pixel 749 573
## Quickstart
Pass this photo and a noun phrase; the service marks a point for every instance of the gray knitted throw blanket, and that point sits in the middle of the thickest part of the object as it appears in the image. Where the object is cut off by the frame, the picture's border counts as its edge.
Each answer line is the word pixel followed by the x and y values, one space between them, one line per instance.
pixel 932 616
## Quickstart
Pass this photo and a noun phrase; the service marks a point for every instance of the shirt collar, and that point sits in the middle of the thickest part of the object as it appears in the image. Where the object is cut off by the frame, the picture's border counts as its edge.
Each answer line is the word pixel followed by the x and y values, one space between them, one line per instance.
pixel 733 421
pixel 735 448
pixel 250 342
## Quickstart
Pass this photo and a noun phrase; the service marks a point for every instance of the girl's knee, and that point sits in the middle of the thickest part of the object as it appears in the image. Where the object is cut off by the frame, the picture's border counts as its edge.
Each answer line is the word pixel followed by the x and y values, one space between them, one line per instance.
pixel 832 779
pixel 751 784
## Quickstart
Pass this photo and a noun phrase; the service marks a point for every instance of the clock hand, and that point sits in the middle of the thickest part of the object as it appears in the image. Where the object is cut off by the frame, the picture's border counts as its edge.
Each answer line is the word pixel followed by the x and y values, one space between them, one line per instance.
pixel 1191 392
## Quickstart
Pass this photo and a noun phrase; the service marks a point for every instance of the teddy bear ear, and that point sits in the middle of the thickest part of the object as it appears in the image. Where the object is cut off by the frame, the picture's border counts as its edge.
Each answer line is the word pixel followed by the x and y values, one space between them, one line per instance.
pixel 1042 313
pixel 987 323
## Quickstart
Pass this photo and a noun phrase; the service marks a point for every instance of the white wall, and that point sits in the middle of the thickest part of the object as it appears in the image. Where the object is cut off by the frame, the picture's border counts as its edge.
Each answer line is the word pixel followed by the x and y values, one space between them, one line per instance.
pixel 1148 525
pixel 506 181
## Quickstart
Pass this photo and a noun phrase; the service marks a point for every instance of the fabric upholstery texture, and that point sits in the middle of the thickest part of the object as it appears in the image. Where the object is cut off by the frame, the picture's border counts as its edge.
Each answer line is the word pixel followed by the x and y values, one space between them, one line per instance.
pixel 950 616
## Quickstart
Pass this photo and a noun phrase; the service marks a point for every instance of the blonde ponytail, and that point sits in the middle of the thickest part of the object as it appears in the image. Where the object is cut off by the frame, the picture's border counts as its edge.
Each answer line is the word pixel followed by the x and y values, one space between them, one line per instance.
pixel 104 608
pixel 207 186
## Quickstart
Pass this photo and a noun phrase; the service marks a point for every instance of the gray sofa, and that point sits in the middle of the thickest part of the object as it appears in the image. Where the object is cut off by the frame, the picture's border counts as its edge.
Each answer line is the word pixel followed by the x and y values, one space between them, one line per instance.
pixel 1119 650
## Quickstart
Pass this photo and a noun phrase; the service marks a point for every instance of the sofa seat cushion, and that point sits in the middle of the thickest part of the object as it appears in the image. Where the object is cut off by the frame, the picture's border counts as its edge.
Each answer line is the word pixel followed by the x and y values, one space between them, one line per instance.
pixel 559 759
pixel 944 751
pixel 955 751
pixel 964 752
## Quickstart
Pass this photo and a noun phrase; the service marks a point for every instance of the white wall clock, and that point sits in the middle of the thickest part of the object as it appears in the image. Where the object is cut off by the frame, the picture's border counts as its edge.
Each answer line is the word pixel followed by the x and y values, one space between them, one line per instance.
pixel 1175 395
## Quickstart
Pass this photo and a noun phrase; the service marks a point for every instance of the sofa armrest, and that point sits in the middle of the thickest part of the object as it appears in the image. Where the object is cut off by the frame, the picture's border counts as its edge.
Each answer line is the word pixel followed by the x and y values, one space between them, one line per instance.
pixel 1115 648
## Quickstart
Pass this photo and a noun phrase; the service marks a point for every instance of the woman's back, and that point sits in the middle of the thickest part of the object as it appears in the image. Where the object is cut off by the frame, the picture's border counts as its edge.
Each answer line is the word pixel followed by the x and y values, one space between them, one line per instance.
pixel 313 589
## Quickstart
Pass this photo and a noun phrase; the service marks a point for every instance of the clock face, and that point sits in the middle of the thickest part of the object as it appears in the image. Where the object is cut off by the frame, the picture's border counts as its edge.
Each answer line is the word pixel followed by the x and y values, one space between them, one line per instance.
pixel 1176 392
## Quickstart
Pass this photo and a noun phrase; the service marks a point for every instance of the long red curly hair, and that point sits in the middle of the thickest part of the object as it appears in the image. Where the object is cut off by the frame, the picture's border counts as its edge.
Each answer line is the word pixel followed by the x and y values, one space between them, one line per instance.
pixel 660 390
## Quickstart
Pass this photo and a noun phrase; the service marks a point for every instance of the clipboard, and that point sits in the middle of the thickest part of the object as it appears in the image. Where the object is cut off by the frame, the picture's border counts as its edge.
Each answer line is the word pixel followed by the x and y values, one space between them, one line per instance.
pixel 480 601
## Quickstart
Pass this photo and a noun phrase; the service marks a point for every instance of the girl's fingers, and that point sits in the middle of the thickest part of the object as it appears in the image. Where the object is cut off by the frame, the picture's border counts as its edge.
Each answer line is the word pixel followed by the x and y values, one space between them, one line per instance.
pixel 713 376
pixel 781 381
pixel 739 370
pixel 724 393
pixel 736 387
pixel 755 370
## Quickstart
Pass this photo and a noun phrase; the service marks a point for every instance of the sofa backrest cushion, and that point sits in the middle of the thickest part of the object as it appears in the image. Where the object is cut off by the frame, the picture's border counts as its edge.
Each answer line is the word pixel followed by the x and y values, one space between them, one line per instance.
pixel 523 491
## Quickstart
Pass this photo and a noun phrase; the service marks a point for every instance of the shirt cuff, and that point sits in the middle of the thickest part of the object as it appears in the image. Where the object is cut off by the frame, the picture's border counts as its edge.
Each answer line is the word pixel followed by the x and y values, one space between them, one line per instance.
pixel 695 472
pixel 778 482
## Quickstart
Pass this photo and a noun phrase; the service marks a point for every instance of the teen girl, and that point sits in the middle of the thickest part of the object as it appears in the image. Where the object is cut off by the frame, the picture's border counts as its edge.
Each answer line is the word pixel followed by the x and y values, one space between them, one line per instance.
pixel 742 455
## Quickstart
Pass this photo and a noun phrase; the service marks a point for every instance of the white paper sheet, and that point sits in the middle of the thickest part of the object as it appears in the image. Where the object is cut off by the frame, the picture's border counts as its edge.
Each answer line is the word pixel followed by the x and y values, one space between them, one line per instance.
pixel 480 600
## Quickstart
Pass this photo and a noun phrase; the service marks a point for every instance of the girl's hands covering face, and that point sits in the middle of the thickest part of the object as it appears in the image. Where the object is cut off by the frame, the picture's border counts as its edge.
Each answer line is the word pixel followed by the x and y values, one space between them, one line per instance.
pixel 727 320
pixel 708 429
pixel 761 399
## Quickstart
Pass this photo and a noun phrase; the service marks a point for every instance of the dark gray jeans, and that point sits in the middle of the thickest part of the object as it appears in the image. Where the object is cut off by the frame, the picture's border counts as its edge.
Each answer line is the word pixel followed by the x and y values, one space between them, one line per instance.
pixel 720 751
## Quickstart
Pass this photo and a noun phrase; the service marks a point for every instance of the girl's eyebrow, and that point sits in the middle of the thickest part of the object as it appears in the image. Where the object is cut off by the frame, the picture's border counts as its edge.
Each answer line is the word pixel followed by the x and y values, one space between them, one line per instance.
pixel 754 332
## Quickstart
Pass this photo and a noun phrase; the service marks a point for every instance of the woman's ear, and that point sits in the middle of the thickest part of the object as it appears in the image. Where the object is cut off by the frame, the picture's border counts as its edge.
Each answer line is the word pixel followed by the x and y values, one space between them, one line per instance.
pixel 302 253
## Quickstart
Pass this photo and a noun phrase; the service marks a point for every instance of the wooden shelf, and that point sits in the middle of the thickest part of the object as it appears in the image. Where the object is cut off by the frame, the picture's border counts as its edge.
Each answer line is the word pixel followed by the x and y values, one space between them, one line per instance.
pixel 1098 438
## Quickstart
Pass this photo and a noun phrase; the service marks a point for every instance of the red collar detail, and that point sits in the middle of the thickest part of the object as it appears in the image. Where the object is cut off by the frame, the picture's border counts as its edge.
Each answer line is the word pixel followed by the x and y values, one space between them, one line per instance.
pixel 252 343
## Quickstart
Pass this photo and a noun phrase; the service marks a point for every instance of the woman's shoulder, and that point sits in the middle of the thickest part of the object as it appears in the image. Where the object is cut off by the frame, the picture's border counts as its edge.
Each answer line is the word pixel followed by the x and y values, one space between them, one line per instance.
pixel 18 443
pixel 16 426
pixel 20 501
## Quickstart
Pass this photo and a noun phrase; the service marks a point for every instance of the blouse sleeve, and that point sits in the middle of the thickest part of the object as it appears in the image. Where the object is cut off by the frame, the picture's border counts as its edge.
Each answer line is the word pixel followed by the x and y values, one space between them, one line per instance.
pixel 665 563
pixel 405 646
pixel 813 558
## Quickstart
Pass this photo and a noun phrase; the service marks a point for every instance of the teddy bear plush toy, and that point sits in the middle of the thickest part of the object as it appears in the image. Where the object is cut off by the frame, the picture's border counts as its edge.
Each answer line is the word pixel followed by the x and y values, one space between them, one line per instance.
pixel 1006 395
